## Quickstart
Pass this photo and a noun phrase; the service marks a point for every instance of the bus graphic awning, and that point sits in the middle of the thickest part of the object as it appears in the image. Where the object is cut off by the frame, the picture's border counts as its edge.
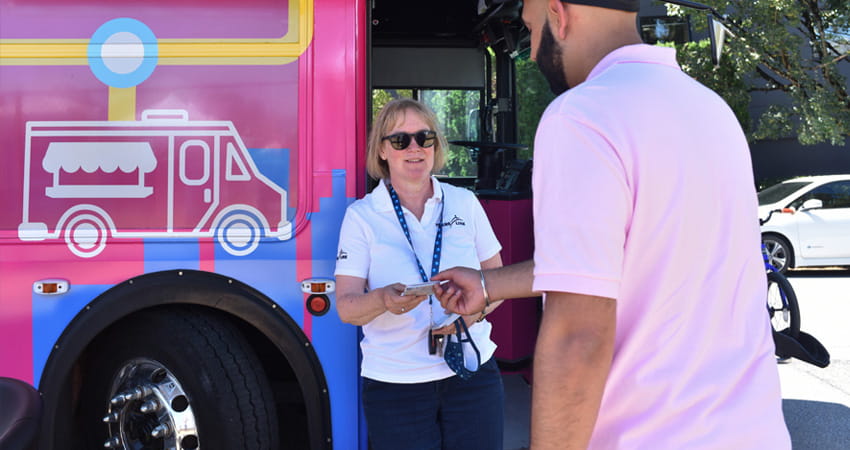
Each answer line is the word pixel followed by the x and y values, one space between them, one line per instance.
pixel 93 156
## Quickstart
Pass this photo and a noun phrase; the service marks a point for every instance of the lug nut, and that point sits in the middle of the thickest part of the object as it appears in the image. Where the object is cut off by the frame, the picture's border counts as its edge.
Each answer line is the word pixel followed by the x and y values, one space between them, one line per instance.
pixel 119 399
pixel 149 406
pixel 113 442
pixel 160 431
pixel 136 393
pixel 111 417
pixel 139 393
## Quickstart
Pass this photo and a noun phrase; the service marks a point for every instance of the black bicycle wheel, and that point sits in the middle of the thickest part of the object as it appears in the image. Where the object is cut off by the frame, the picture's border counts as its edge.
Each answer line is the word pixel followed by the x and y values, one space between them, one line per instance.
pixel 180 379
pixel 783 315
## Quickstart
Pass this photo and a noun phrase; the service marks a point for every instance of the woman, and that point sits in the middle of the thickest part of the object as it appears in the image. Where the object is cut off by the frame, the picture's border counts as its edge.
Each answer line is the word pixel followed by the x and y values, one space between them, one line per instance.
pixel 411 398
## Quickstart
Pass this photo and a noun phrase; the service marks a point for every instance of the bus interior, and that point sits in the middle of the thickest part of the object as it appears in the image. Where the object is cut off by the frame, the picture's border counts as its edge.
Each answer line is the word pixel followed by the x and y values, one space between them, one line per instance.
pixel 465 59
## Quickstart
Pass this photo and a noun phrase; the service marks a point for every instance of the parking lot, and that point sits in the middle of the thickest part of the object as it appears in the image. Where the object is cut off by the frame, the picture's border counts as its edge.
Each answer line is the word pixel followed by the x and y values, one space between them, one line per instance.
pixel 816 401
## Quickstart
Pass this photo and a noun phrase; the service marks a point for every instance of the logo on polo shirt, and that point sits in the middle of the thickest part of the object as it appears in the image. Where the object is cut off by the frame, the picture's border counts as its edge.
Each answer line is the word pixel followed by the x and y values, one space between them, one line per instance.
pixel 455 221
pixel 341 255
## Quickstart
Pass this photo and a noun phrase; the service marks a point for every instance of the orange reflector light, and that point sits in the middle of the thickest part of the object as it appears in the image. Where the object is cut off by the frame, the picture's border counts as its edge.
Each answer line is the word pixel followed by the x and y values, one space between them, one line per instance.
pixel 317 286
pixel 51 286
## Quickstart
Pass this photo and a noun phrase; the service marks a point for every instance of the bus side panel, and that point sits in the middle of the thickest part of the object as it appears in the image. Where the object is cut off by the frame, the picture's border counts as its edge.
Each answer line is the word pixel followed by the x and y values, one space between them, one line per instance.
pixel 298 120
pixel 337 98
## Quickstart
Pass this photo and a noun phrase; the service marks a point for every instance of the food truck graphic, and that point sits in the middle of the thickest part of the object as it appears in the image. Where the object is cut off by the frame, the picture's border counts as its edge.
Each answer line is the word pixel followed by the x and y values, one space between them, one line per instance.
pixel 165 175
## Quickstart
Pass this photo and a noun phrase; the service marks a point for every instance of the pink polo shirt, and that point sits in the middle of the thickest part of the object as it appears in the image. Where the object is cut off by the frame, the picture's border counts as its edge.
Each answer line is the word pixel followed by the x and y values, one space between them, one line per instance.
pixel 643 192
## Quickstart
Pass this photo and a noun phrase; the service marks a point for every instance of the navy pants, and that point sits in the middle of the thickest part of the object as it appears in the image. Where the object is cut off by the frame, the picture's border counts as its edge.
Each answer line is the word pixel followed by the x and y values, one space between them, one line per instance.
pixel 447 414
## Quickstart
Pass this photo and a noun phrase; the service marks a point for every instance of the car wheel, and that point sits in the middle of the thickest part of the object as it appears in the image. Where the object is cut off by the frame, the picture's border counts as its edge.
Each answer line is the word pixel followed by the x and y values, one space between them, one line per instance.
pixel 779 254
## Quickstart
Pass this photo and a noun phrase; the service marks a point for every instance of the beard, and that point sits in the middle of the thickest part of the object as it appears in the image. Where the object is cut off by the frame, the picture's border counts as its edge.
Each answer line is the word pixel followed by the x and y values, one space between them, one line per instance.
pixel 549 61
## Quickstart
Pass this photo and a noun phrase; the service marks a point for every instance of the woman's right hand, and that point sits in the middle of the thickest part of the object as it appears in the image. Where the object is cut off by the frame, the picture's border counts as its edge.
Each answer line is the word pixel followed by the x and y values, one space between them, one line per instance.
pixel 397 303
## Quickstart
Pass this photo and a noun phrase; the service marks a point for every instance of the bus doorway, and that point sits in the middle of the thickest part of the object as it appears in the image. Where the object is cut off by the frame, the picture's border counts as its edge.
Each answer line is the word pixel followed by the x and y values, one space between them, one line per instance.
pixel 461 58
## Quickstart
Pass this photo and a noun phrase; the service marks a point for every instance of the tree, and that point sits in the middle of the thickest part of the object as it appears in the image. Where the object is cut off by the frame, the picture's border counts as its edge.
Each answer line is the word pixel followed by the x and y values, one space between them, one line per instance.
pixel 797 47
pixel 533 96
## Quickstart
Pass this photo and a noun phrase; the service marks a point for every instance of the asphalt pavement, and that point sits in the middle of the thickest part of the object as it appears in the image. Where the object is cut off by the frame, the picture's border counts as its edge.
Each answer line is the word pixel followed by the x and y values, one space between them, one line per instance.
pixel 816 401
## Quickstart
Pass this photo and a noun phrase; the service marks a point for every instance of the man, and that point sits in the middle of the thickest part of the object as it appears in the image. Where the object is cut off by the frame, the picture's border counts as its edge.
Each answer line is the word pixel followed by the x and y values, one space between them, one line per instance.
pixel 654 332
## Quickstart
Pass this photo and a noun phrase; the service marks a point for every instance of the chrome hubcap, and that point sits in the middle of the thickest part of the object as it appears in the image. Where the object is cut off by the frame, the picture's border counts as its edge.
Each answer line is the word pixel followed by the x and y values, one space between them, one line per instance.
pixel 149 409
pixel 776 254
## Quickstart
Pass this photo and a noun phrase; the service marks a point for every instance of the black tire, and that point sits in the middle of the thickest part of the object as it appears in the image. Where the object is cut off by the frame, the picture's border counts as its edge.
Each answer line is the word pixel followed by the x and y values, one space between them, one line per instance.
pixel 779 252
pixel 782 317
pixel 220 384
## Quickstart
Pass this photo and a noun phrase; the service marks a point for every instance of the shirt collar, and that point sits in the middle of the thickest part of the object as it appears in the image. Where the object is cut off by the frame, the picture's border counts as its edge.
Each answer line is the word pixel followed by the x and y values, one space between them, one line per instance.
pixel 637 53
pixel 381 195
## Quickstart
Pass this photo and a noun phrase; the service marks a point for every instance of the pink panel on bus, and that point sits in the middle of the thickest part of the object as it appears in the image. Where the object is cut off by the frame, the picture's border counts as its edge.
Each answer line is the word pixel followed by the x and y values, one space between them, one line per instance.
pixel 48 260
pixel 210 18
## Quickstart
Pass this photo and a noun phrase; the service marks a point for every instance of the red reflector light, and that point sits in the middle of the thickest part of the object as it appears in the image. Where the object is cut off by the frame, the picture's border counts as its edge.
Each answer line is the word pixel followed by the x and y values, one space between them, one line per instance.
pixel 49 288
pixel 318 304
pixel 318 288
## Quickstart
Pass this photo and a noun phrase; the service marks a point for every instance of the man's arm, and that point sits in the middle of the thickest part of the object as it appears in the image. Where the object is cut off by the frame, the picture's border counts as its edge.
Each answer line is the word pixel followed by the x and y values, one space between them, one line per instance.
pixel 465 295
pixel 572 359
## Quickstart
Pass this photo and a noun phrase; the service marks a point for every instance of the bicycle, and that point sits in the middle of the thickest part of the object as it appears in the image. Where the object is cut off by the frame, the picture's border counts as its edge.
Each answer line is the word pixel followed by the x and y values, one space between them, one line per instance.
pixel 782 306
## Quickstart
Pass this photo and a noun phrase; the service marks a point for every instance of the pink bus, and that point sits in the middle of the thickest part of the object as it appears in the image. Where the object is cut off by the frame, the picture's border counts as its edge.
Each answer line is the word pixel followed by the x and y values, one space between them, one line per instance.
pixel 175 174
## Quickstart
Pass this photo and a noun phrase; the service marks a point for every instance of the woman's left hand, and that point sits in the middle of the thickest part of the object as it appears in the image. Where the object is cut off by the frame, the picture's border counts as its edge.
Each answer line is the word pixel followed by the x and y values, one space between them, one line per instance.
pixel 450 329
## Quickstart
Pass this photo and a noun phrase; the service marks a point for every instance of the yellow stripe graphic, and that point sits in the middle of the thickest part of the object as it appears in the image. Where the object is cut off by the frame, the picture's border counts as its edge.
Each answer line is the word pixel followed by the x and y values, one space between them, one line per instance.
pixel 35 52
pixel 122 103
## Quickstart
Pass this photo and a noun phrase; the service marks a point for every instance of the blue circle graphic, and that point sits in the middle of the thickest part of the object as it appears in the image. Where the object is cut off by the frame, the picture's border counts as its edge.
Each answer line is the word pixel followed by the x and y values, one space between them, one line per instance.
pixel 123 52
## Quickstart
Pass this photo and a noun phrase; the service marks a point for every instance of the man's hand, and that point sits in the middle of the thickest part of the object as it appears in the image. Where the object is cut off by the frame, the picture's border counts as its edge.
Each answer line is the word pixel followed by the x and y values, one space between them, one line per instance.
pixel 463 293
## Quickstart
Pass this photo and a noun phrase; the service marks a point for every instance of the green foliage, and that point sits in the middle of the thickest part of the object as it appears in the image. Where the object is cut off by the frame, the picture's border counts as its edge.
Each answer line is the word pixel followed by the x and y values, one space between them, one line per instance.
pixel 533 95
pixel 455 112
pixel 381 97
pixel 790 46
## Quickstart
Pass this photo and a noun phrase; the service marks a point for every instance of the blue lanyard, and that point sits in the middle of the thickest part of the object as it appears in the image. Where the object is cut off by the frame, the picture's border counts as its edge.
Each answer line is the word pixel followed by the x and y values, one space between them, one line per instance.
pixel 438 241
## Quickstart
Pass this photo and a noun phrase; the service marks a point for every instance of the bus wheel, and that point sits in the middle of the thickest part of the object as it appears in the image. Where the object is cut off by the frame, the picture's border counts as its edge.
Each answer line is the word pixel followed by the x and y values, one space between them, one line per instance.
pixel 85 234
pixel 239 233
pixel 178 379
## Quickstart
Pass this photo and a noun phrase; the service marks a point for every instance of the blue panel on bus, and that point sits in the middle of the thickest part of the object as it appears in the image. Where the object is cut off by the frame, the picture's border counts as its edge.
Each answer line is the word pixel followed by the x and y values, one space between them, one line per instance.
pixel 337 344
pixel 51 315
pixel 170 253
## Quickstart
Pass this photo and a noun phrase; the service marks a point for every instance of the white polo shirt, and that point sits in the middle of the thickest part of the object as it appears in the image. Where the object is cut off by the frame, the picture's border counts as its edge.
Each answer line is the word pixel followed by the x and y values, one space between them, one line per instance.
pixel 372 246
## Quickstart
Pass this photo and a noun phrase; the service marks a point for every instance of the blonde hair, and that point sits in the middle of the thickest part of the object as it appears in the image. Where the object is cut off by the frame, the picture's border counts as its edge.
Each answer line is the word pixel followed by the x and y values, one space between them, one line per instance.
pixel 391 114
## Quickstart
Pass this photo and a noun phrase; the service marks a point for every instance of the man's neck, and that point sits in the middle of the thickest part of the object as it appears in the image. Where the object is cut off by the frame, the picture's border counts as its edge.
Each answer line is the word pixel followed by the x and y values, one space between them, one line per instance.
pixel 613 30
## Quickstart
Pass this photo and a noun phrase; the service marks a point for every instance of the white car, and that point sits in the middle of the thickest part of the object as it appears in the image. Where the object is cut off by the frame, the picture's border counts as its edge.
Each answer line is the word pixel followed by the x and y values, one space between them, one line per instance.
pixel 812 226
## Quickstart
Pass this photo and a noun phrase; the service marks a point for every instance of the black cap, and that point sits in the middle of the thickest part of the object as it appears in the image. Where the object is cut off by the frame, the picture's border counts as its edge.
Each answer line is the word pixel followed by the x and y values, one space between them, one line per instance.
pixel 622 5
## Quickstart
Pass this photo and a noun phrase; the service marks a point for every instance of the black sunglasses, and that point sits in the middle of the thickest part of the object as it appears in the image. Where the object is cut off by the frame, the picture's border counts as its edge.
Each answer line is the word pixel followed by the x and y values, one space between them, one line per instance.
pixel 400 141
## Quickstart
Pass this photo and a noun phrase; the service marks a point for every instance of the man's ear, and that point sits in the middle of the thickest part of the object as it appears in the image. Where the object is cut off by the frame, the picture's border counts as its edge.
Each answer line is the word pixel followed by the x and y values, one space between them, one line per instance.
pixel 557 13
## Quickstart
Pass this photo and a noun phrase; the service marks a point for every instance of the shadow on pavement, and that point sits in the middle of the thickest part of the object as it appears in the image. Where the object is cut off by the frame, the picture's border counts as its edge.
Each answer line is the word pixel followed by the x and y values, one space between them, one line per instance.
pixel 817 425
